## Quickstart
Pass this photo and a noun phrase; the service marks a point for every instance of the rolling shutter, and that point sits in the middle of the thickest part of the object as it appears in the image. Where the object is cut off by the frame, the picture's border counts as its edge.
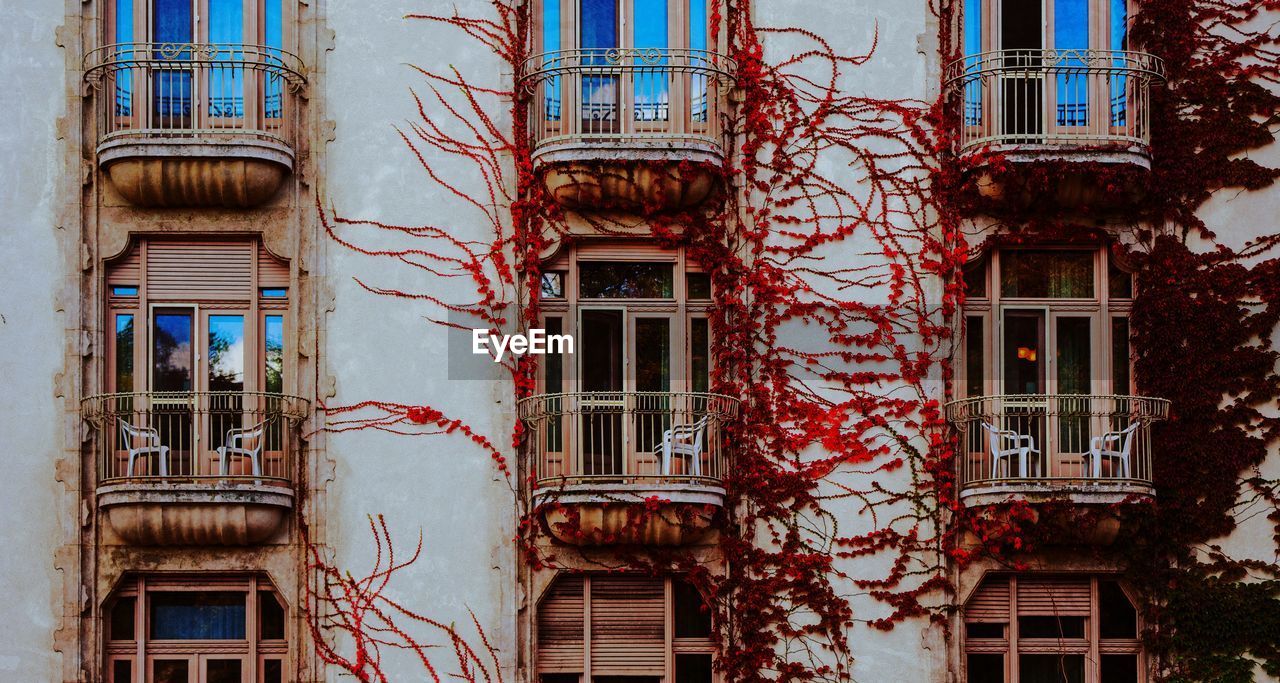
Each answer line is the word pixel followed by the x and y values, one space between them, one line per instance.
pixel 627 626
pixel 199 270
pixel 126 270
pixel 990 603
pixel 1053 595
pixel 271 272
pixel 560 627
pixel 612 250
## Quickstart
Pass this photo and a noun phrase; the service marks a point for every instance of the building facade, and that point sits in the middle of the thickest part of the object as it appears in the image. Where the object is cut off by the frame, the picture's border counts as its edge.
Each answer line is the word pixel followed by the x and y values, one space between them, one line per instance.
pixel 909 342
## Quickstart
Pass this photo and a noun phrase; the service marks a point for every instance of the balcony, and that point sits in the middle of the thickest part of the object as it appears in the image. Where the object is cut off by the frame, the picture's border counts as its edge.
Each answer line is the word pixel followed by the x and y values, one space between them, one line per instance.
pixel 195 468
pixel 636 130
pixel 195 125
pixel 627 467
pixel 1036 447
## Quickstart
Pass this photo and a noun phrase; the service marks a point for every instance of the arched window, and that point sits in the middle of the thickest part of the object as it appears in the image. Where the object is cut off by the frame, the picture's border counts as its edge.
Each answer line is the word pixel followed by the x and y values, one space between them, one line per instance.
pixel 1049 628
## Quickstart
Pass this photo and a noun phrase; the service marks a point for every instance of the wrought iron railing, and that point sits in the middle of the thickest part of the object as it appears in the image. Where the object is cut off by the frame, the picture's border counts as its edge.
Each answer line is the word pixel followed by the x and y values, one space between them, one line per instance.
pixel 626 437
pixel 1054 97
pixel 204 436
pixel 195 90
pixel 620 95
pixel 1021 438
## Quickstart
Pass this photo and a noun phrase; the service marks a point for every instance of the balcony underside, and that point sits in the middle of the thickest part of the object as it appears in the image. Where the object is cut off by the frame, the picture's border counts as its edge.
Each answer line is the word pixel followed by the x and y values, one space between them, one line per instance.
pixel 160 171
pixel 1077 491
pixel 634 176
pixel 223 513
pixel 654 513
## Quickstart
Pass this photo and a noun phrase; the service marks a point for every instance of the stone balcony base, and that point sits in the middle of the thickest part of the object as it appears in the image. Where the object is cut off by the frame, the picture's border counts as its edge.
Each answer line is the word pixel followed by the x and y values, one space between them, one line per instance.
pixel 223 513
pixel 632 177
pixel 655 514
pixel 195 172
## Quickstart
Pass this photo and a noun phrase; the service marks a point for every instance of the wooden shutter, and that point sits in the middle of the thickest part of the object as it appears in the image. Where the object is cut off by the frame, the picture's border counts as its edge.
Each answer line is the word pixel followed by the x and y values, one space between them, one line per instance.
pixel 126 270
pixel 1053 595
pixel 627 626
pixel 272 272
pixel 990 603
pixel 199 270
pixel 560 627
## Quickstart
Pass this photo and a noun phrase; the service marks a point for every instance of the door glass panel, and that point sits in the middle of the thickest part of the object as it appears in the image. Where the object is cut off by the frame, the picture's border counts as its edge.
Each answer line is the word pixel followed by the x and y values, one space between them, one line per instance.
pixel 170 671
pixel 1119 669
pixel 975 356
pixel 599 34
pixel 700 354
pixel 553 381
pixel 273 344
pixel 699 112
pixel 197 616
pixel 124 367
pixel 223 670
pixel 1071 33
pixel 1075 369
pixel 171 351
pixel 1024 353
pixel 693 668
pixel 172 22
pixel 601 370
pixel 650 82
pixel 226 78
pixel 226 374
pixel 550 44
pixel 1051 668
pixel 1022 96
pixel 1120 355
pixel 972 47
pixel 273 35
pixel 124 77
pixel 272 671
pixel 1119 82
pixel 653 374
pixel 985 668
pixel 122 671
pixel 611 280
pixel 1046 274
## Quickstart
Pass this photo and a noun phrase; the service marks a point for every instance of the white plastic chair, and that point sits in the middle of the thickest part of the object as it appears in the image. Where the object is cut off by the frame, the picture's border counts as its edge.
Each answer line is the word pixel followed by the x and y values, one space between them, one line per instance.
pixel 1022 446
pixel 235 447
pixel 150 445
pixel 684 441
pixel 1098 450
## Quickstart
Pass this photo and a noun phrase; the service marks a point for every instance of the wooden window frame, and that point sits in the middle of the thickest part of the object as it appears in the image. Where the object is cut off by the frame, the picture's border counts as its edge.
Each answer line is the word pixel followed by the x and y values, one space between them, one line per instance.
pixel 1092 646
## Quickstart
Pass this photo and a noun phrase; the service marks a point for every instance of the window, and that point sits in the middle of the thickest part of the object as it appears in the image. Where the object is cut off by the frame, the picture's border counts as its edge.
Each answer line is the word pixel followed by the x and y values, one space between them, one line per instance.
pixel 195 630
pixel 1047 321
pixel 623 622
pixel 1051 629
pixel 198 355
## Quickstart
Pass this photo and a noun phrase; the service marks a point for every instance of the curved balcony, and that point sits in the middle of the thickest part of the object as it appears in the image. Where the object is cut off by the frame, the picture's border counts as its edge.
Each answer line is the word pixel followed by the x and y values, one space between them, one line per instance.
pixel 635 130
pixel 1082 105
pixel 195 468
pixel 1089 449
pixel 195 125
pixel 627 467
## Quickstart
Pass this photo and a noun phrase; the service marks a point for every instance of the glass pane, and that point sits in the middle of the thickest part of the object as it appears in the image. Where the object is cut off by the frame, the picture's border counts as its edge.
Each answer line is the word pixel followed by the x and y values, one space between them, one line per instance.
pixel 170 671
pixel 600 356
pixel 551 43
pixel 975 361
pixel 226 353
pixel 124 77
pixel 1071 33
pixel 692 616
pixel 599 33
pixel 700 354
pixel 1050 627
pixel 122 671
pixel 172 22
pixel 972 27
pixel 1119 282
pixel 1052 274
pixel 599 28
pixel 553 285
pixel 226 79
pixel 983 630
pixel 653 373
pixel 1119 669
pixel 553 379
pixel 122 618
pixel 699 30
pixel 124 290
pixel 1023 360
pixel 1117 617
pixel 171 351
pixel 1119 82
pixel 272 671
pixel 1120 355
pixel 223 670
pixel 270 617
pixel 697 285
pixel 975 280
pixel 652 99
pixel 197 616
pixel 273 35
pixel 273 341
pixel 274 292
pixel 124 353
pixel 693 668
pixel 1051 668
pixel 609 280
pixel 1073 355
pixel 985 668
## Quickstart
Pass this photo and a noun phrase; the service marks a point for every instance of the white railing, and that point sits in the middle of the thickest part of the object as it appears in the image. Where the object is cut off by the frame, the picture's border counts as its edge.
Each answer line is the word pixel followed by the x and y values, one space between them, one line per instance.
pixel 626 437
pixel 1021 438
pixel 195 436
pixel 1054 97
pixel 195 90
pixel 619 95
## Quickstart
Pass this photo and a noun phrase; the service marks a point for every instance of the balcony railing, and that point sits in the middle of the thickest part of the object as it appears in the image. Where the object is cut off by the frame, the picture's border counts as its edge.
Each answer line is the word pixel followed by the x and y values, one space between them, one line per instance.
pixel 626 437
pixel 193 90
pixel 196 436
pixel 1047 439
pixel 1060 98
pixel 627 95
